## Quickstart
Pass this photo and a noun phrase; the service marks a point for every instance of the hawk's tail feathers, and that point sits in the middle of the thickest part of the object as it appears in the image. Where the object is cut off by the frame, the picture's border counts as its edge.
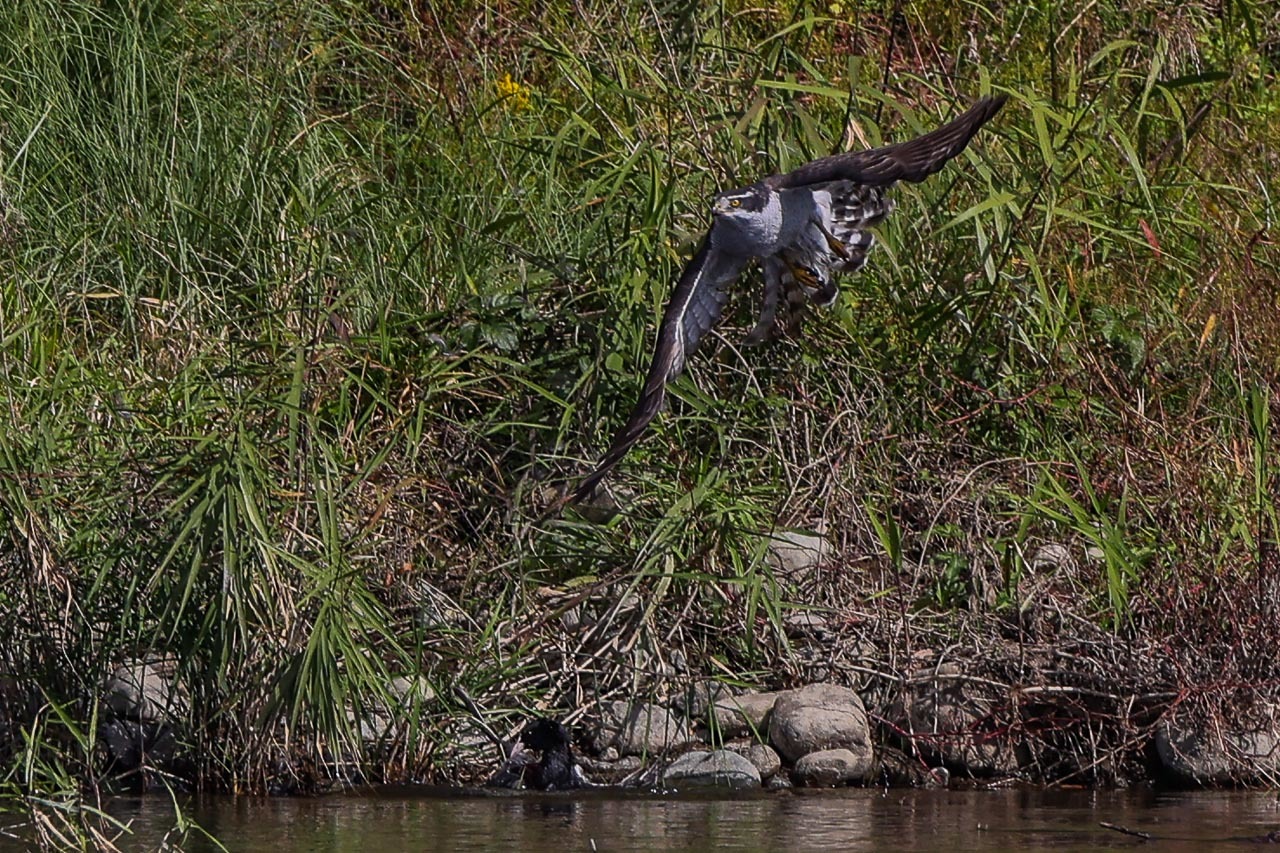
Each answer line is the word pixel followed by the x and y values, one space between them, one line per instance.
pixel 856 206
pixel 854 209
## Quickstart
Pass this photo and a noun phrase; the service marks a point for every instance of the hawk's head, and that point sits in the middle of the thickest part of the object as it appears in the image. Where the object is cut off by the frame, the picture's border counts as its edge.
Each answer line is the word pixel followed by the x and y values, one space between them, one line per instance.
pixel 742 201
pixel 748 220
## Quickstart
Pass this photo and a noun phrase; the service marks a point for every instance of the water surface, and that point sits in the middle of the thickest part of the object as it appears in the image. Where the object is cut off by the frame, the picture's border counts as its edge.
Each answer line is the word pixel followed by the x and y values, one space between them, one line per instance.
pixel 845 820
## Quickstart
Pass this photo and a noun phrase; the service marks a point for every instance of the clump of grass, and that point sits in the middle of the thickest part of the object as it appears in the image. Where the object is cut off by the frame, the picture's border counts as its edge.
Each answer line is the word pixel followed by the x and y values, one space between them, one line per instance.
pixel 314 307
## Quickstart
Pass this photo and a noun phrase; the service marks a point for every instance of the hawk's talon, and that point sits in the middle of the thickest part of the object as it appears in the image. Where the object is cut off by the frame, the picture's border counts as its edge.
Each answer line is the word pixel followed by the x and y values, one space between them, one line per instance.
pixel 835 245
pixel 820 291
pixel 806 276
pixel 839 248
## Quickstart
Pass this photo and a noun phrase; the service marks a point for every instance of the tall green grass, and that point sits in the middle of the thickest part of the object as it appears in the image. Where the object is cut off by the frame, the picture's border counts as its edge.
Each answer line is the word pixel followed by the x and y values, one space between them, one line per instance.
pixel 311 308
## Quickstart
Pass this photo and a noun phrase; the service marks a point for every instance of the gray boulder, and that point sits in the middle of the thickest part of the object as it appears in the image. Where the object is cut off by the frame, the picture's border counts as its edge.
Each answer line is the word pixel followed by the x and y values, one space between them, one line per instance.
pixel 650 729
pixel 610 772
pixel 411 690
pixel 380 718
pixel 796 554
pixel 830 767
pixel 806 625
pixel 763 758
pixel 778 782
pixel 719 769
pixel 821 717
pixel 744 716
pixel 701 696
pixel 1052 556
pixel 612 716
pixel 146 692
pixel 951 717
pixel 145 702
pixel 756 709
pixel 1208 755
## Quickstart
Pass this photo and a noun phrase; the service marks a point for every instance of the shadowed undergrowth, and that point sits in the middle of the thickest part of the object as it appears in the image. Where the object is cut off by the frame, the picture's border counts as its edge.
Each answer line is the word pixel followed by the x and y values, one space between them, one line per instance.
pixel 311 309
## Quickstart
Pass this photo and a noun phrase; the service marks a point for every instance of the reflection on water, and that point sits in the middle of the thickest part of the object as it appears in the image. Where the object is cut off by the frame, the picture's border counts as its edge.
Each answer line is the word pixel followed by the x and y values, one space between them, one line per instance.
pixel 846 820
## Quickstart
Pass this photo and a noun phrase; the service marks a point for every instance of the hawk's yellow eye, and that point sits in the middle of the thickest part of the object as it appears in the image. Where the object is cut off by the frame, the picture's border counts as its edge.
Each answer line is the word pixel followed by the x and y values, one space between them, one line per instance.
pixel 735 203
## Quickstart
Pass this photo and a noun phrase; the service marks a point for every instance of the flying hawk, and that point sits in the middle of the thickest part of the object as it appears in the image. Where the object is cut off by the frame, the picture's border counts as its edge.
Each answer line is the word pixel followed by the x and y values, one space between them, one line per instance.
pixel 804 227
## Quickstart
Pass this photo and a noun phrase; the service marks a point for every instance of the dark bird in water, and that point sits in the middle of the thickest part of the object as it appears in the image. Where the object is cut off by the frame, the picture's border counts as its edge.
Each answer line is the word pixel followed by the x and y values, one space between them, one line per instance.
pixel 542 760
pixel 805 227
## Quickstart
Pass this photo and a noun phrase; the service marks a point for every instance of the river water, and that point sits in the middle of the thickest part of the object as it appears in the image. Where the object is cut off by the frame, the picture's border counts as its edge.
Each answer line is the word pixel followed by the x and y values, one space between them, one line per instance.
pixel 843 820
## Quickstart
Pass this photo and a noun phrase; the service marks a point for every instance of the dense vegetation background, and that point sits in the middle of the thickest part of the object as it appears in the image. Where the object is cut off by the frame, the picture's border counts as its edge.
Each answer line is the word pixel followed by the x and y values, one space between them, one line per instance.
pixel 310 308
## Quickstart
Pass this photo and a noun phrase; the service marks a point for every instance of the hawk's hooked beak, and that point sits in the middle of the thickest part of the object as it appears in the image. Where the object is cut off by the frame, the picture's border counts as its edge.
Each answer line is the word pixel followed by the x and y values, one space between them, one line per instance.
pixel 720 207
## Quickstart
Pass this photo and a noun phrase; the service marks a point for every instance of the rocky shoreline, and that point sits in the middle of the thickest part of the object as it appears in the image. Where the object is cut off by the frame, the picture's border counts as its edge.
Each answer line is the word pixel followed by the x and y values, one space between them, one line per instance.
pixel 821 735
pixel 945 725
pixel 874 690
pixel 870 694
pixel 946 729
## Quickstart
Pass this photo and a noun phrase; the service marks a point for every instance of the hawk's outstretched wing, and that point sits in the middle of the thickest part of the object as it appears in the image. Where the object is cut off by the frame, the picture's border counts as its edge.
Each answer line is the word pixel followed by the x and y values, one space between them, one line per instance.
pixel 912 161
pixel 695 307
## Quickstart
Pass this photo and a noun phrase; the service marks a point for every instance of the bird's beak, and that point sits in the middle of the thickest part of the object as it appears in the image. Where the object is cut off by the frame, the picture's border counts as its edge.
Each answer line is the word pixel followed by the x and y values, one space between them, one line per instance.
pixel 719 207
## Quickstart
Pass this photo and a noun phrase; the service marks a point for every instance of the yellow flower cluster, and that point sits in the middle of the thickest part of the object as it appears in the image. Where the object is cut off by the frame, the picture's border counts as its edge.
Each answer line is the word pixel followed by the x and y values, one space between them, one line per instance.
pixel 514 94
